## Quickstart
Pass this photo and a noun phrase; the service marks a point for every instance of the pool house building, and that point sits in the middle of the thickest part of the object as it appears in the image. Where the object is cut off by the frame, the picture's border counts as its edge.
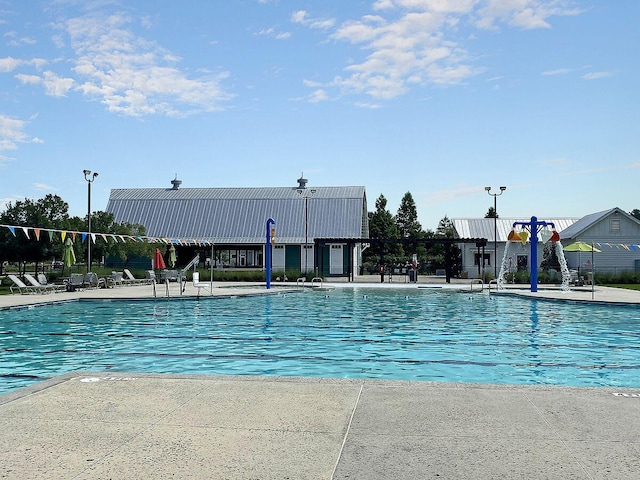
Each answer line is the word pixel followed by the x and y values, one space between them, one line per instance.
pixel 233 222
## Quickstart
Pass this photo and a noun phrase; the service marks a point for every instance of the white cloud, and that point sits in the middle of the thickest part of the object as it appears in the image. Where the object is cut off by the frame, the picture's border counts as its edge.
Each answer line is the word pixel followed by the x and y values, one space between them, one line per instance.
pixel 43 187
pixel 410 43
pixel 558 71
pixel 273 33
pixel 9 64
pixel 597 75
pixel 133 76
pixel 302 17
pixel 11 133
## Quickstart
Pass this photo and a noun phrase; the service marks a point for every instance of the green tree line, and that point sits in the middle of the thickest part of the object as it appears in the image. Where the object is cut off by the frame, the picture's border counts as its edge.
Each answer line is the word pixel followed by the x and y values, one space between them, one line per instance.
pixel 52 212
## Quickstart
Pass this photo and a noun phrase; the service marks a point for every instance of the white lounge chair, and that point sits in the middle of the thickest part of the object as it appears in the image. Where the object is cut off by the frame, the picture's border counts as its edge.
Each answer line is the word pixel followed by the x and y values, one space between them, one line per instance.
pixel 22 287
pixel 37 284
pixel 129 279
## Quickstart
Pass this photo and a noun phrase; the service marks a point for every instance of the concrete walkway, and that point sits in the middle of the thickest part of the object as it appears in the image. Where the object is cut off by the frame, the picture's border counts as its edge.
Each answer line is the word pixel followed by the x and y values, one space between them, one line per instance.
pixel 130 426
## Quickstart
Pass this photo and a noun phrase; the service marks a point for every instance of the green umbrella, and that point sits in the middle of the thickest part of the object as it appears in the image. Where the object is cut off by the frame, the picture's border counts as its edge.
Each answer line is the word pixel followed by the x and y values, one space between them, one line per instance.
pixel 68 255
pixel 580 247
pixel 585 247
pixel 172 256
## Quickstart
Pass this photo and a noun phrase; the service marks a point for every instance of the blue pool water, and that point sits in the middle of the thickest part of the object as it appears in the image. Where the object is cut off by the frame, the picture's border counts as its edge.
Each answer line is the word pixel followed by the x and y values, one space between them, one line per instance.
pixel 405 334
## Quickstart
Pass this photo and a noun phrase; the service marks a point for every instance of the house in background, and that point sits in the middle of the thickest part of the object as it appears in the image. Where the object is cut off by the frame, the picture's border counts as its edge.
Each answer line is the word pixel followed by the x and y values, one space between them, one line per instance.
pixel 234 220
pixel 614 232
pixel 519 254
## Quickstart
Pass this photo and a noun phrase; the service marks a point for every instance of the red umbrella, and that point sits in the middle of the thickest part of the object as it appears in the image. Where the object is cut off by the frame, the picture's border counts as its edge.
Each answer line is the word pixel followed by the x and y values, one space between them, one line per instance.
pixel 158 261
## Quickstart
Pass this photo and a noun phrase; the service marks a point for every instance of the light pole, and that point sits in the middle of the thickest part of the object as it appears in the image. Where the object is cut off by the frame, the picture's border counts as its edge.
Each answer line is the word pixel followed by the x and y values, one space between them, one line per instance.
pixel 495 227
pixel 89 178
pixel 306 194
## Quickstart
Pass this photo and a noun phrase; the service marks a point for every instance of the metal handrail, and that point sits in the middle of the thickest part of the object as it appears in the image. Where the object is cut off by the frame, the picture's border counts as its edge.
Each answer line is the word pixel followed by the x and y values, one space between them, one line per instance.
pixel 193 262
pixel 479 280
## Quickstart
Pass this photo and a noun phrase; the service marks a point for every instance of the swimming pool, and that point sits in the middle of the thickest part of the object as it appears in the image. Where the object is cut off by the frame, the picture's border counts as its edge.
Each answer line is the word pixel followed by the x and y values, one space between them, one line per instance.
pixel 403 334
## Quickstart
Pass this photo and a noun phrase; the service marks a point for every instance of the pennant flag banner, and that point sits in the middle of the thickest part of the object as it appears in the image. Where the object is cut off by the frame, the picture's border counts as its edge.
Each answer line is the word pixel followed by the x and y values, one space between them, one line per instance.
pixel 105 236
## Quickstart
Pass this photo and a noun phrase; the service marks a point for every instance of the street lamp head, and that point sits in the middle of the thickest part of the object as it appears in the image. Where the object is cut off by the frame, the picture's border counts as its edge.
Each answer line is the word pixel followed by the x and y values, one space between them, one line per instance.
pixel 95 174
pixel 502 189
pixel 488 189
pixel 86 172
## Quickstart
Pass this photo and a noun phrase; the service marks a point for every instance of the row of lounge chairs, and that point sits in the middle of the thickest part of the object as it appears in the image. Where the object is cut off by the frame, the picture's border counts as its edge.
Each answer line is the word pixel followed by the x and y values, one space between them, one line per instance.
pixel 76 281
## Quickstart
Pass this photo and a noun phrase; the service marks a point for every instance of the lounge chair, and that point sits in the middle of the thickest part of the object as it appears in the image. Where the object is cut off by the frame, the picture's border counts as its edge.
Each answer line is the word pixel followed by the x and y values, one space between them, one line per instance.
pixel 115 279
pixel 42 278
pixel 200 286
pixel 23 289
pixel 37 284
pixel 74 282
pixel 91 280
pixel 129 279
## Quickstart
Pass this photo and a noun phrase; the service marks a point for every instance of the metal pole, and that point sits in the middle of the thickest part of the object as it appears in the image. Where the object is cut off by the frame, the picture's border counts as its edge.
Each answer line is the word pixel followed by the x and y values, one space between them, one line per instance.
pixel 89 227
pixel 306 235
pixel 89 178
pixel 495 227
pixel 267 252
pixel 495 236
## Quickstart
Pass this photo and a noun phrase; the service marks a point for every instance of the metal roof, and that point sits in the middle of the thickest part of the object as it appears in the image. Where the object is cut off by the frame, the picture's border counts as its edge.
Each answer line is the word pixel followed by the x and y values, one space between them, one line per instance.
pixel 579 227
pixel 484 227
pixel 239 215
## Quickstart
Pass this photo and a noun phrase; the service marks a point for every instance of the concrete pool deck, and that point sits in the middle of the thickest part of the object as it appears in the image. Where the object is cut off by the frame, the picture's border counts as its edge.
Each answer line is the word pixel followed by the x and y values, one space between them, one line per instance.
pixel 105 426
pixel 97 425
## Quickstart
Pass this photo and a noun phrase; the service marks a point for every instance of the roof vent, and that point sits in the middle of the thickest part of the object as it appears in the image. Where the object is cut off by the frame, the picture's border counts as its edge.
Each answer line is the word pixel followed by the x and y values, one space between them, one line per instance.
pixel 302 182
pixel 176 183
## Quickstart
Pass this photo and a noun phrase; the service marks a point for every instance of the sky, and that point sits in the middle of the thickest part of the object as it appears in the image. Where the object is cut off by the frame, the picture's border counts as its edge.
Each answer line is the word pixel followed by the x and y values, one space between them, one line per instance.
pixel 439 98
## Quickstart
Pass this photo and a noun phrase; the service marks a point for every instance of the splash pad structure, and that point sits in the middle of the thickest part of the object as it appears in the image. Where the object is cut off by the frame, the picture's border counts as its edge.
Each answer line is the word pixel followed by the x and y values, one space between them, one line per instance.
pixel 530 231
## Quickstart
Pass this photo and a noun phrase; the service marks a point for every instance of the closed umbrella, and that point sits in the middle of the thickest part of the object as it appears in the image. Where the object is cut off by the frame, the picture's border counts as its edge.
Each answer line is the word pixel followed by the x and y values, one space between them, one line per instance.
pixel 68 255
pixel 172 256
pixel 158 261
pixel 585 247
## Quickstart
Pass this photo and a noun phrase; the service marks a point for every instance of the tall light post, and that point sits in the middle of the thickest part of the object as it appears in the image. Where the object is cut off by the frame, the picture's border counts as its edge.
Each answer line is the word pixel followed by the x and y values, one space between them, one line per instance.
pixel 305 193
pixel 89 177
pixel 495 227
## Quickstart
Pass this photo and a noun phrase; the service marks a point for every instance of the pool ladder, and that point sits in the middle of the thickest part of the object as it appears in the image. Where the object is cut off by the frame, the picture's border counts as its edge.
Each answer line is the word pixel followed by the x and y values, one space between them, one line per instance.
pixel 166 285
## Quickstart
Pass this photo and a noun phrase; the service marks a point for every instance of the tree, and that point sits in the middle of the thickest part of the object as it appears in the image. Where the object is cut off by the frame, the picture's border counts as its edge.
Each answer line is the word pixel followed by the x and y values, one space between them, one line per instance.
pixel 382 225
pixel 491 213
pixel 635 213
pixel 48 212
pixel 407 218
pixel 51 213
pixel 550 257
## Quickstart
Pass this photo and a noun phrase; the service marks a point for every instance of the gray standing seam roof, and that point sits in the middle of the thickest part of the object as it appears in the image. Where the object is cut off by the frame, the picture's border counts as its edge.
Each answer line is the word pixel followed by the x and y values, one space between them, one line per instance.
pixel 239 215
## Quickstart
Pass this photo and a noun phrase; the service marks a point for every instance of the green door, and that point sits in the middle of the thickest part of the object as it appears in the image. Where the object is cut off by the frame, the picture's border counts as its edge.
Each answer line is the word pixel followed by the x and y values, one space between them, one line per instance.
pixel 292 257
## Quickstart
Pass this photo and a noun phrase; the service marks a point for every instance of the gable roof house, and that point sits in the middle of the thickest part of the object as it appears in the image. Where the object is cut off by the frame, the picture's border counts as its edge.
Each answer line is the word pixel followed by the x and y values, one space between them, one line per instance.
pixel 234 220
pixel 614 232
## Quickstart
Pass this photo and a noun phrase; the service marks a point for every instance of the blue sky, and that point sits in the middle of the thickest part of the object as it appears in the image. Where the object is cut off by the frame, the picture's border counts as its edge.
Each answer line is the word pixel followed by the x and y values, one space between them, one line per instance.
pixel 439 98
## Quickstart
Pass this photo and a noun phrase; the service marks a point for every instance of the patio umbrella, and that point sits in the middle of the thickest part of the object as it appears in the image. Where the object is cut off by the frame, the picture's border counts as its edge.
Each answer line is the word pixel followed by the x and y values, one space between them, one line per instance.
pixel 584 247
pixel 580 247
pixel 68 255
pixel 158 261
pixel 172 256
